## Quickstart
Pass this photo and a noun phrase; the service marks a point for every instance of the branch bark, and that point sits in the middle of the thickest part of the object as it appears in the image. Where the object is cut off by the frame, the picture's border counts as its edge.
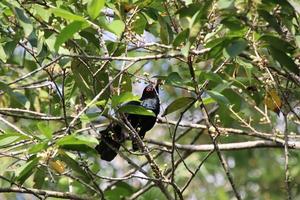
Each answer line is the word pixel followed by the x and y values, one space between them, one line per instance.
pixel 227 147
pixel 46 193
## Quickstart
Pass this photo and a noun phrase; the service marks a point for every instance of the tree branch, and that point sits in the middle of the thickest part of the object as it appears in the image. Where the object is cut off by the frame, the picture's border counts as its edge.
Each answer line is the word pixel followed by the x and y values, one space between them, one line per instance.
pixel 227 147
pixel 46 193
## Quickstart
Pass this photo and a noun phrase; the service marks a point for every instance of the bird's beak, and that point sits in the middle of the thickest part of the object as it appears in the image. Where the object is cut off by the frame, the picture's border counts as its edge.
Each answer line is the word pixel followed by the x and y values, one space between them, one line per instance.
pixel 158 82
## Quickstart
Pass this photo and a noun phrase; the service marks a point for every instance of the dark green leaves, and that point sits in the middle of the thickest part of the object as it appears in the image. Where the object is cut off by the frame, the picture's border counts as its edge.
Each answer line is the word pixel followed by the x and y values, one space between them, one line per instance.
pixel 235 47
pixel 123 98
pixel 174 79
pixel 270 19
pixel 77 143
pixel 77 23
pixel 24 21
pixel 179 103
pixel 181 38
pixel 209 76
pixel 68 32
pixel 279 50
pixel 75 166
pixel 284 60
pixel 26 170
pixel 120 191
pixel 164 31
pixel 218 97
pixel 139 24
pixel 17 99
pixel 188 11
pixel 137 110
pixel 277 43
pixel 72 139
pixel 83 77
pixel 232 23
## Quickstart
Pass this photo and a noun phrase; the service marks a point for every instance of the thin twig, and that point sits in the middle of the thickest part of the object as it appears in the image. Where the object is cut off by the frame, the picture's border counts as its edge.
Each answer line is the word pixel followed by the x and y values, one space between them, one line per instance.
pixel 15 128
pixel 227 147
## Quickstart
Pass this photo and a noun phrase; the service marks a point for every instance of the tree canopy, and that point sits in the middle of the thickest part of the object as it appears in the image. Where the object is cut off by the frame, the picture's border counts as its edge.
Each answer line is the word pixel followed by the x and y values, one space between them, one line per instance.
pixel 230 111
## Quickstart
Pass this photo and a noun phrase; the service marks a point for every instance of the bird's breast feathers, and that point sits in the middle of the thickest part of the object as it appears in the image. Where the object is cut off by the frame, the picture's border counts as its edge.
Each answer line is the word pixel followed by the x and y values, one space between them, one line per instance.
pixel 151 104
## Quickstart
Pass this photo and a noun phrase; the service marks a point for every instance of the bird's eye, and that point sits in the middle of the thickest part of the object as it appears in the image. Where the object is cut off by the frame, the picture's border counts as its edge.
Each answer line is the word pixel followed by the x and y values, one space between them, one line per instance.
pixel 149 89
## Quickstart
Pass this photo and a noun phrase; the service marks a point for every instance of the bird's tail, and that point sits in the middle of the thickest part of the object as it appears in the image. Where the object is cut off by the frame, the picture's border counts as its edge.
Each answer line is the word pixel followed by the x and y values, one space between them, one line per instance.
pixel 110 143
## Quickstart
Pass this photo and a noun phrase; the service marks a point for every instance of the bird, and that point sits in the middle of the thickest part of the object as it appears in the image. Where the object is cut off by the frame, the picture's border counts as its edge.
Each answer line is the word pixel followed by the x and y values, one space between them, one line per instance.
pixel 113 136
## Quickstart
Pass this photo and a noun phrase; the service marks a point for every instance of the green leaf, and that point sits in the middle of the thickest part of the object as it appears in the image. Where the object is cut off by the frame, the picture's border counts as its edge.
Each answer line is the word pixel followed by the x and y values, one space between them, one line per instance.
pixel 7 139
pixel 39 178
pixel 11 136
pixel 270 19
pixel 89 117
pixel 221 87
pixel 164 33
pixel 295 4
pixel 74 165
pixel 78 143
pixel 248 67
pixel 174 79
pixel 94 7
pixel 225 4
pixel 189 10
pixel 100 81
pixel 82 77
pixel 66 14
pixel 45 129
pixel 195 26
pixel 117 27
pixel 232 23
pixel 179 103
pixel 209 76
pixel 25 171
pixel 208 100
pixel 186 49
pixel 217 46
pixel 38 147
pixel 297 40
pixel 182 37
pixel 24 21
pixel 137 110
pixel 218 97
pixel 139 24
pixel 284 60
pixel 17 99
pixel 154 194
pixel 3 55
pixel 122 98
pixel 121 190
pixel 42 12
pixel 277 43
pixel 235 48
pixel 234 98
pixel 79 139
pixel 68 32
pixel 69 87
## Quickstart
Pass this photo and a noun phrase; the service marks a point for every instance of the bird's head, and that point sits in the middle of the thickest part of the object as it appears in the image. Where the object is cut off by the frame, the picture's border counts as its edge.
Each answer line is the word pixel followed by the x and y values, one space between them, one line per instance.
pixel 150 91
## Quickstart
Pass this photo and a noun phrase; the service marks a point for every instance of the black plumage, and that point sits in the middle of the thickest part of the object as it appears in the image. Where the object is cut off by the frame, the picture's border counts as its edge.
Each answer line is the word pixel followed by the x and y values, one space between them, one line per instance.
pixel 113 136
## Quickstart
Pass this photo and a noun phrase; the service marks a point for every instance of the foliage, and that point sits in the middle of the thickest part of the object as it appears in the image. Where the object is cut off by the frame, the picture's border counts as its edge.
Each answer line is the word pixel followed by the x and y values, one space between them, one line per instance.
pixel 230 72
